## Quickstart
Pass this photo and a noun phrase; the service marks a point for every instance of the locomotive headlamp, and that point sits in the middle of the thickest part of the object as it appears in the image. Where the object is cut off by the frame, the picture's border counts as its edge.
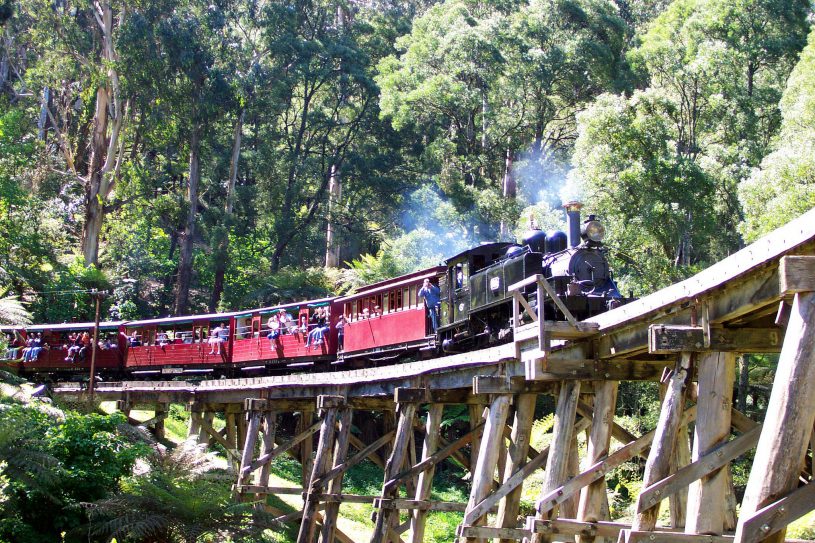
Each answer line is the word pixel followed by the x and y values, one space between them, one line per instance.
pixel 593 230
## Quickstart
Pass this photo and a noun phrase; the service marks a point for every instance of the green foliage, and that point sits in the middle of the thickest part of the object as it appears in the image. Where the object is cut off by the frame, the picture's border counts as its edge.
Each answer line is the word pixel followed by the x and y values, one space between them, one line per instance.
pixel 181 498
pixel 51 466
pixel 782 188
pixel 12 311
pixel 657 203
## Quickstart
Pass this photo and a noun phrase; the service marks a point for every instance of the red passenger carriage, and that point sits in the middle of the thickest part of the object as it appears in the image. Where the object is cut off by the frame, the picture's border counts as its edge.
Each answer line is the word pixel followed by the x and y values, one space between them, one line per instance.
pixel 56 355
pixel 176 345
pixel 388 320
pixel 253 349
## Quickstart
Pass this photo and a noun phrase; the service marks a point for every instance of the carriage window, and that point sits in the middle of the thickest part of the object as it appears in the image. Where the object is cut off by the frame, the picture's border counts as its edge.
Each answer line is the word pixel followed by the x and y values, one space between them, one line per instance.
pixel 398 300
pixel 387 302
pixel 413 290
pixel 405 298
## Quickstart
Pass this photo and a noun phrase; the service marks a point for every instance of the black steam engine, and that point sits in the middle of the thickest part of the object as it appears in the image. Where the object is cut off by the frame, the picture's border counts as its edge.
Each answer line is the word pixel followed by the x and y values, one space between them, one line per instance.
pixel 476 306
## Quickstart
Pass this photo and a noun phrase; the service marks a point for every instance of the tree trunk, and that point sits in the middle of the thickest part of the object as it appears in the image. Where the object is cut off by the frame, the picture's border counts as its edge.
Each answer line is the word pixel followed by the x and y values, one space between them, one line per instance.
pixel 42 122
pixel 4 67
pixel 103 149
pixel 332 248
pixel 182 293
pixel 221 255
pixel 93 205
pixel 510 189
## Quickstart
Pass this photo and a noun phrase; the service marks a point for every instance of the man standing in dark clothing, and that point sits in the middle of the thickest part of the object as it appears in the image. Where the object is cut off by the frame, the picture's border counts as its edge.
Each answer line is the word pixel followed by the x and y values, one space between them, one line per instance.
pixel 432 298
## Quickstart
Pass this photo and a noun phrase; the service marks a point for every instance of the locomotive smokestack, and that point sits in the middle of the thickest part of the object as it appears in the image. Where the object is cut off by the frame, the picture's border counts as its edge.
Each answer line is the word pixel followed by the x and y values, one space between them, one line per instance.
pixel 573 221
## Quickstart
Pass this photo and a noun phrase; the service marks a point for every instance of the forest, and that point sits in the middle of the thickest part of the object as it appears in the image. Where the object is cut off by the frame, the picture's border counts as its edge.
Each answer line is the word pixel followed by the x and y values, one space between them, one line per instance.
pixel 195 156
pixel 188 156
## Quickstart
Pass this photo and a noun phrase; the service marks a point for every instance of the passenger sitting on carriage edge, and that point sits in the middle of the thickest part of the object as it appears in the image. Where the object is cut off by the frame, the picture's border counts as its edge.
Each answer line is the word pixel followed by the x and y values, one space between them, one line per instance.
pixel 432 298
pixel 319 321
pixel 215 340
pixel 276 326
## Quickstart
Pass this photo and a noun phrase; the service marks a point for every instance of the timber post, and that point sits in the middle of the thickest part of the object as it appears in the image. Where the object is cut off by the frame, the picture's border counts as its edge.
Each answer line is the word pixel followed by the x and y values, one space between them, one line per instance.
pixel 305 421
pixel 706 497
pixel 329 406
pixel 593 499
pixel 387 518
pixel 332 508
pixel 425 483
pixel 518 450
pixel 659 460
pixel 788 424
pixel 254 409
pixel 557 462
pixel 488 453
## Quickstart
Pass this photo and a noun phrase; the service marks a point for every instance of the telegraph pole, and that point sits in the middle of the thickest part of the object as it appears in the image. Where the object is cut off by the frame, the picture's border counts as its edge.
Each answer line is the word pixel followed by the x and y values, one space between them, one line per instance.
pixel 98 297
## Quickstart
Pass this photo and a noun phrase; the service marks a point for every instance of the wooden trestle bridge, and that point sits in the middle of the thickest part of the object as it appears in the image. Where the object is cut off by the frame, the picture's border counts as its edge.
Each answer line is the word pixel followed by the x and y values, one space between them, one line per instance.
pixel 687 337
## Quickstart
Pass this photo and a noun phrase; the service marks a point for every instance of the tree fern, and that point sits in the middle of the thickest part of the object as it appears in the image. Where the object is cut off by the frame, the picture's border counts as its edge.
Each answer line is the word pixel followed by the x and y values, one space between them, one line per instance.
pixel 182 498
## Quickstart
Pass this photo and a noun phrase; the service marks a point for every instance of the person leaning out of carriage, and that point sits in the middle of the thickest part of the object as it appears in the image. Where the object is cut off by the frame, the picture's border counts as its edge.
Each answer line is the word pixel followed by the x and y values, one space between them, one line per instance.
pixel 432 298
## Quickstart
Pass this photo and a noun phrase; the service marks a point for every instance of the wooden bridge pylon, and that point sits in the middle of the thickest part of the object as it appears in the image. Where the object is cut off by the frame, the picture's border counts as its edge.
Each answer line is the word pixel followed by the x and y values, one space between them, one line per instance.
pixel 686 337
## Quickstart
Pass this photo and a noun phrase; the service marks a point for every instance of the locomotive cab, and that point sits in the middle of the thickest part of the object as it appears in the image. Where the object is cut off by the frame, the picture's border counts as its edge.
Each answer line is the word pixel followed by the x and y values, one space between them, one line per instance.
pixel 461 287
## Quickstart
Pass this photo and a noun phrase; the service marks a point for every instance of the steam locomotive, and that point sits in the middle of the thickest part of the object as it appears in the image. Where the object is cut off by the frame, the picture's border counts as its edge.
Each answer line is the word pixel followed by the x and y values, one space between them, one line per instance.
pixel 477 303
pixel 385 322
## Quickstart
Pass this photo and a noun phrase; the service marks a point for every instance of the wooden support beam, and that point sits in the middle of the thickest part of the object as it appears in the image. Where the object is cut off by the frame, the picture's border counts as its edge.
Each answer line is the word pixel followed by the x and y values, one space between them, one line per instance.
pixel 194 428
pixel 493 439
pixel 678 501
pixel 329 401
pixel 593 499
pixel 708 494
pixel 562 436
pixel 231 452
pixel 674 338
pixel 568 509
pixel 267 446
pixel 270 456
pixel 516 459
pixel 701 467
pixel 231 428
pixel 791 410
pixel 360 446
pixel 411 395
pixel 425 483
pixel 263 489
pixel 304 422
pixel 157 422
pixel 776 516
pixel 659 460
pixel 634 536
pixel 435 458
pixel 312 498
pixel 366 452
pixel 516 479
pixel 335 484
pixel 476 413
pixel 386 519
pixel 569 529
pixel 617 432
pixel 795 275
pixel 249 446
pixel 668 339
pixel 489 532
pixel 420 505
pixel 255 404
pixel 599 469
